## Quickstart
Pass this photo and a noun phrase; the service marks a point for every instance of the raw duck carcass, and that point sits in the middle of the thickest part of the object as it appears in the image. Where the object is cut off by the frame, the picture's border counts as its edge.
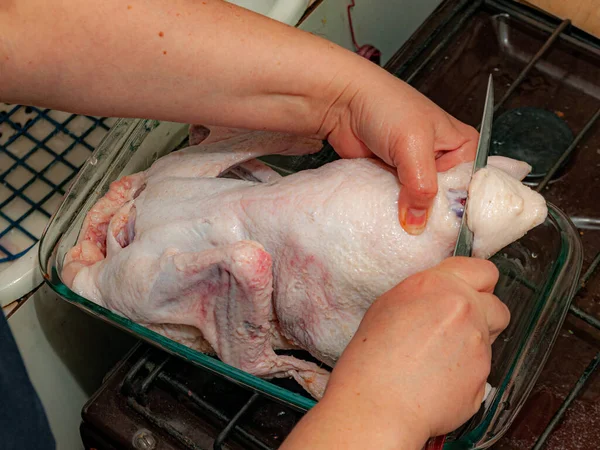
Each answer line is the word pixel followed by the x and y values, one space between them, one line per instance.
pixel 243 267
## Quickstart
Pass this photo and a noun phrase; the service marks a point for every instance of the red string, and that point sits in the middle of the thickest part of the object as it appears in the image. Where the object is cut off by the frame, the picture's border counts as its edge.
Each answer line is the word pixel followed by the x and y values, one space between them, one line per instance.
pixel 366 51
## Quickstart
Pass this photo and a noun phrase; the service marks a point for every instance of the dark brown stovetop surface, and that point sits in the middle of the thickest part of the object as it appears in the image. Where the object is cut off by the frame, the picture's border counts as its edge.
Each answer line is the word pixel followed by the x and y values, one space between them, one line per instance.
pixel 566 81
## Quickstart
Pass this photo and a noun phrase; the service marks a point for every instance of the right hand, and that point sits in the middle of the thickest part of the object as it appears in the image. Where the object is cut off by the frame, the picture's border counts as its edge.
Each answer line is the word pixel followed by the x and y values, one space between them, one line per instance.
pixel 422 354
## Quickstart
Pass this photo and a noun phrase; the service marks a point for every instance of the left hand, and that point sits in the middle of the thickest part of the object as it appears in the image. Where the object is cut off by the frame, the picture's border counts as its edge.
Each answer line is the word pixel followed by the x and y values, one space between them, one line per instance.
pixel 378 114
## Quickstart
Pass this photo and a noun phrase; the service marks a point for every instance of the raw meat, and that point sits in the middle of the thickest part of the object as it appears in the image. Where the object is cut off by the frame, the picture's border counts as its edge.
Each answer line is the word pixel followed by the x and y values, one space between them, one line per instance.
pixel 244 267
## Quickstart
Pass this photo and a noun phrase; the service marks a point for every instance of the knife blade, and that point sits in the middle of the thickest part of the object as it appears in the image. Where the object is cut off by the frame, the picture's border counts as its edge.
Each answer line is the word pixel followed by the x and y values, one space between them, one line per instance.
pixel 464 243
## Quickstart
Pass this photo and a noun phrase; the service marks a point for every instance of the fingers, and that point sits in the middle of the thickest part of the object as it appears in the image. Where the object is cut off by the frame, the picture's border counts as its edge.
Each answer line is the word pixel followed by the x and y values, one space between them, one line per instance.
pixel 450 159
pixel 461 145
pixel 418 174
pixel 496 313
pixel 480 274
pixel 415 158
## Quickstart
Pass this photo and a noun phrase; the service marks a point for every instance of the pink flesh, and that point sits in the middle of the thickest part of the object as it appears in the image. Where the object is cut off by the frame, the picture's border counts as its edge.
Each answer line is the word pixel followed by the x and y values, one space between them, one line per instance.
pixel 91 244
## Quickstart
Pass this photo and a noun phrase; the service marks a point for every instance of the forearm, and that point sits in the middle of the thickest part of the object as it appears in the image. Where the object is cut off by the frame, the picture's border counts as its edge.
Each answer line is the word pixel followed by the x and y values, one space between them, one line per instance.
pixel 351 423
pixel 179 60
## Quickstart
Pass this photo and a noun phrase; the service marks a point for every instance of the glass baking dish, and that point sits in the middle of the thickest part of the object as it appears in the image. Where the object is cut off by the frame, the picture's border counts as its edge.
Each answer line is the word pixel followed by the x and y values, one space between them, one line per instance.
pixel 538 279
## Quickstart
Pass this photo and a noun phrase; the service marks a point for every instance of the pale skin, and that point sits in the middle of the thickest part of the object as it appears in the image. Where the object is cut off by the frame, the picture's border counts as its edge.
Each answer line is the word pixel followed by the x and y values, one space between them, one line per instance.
pixel 209 62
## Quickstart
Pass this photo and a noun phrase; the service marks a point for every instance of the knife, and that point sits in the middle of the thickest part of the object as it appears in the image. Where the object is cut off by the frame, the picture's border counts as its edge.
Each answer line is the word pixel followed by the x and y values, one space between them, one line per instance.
pixel 464 243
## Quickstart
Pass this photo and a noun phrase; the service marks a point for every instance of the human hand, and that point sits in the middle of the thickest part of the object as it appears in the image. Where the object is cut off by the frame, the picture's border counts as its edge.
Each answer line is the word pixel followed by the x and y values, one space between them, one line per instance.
pixel 294 82
pixel 378 114
pixel 422 354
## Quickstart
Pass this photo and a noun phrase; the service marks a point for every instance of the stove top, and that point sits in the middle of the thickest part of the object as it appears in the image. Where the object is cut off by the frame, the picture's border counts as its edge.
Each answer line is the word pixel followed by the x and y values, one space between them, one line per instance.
pixel 546 76
pixel 547 80
pixel 154 401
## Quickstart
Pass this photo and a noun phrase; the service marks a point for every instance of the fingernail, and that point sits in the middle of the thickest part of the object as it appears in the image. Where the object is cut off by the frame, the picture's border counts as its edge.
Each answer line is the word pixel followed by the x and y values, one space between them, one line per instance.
pixel 415 221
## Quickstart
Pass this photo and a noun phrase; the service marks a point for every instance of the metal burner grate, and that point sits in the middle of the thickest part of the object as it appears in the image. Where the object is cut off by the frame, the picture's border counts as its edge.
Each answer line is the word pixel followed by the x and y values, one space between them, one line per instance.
pixel 152 368
pixel 592 269
pixel 463 11
pixel 41 151
pixel 589 370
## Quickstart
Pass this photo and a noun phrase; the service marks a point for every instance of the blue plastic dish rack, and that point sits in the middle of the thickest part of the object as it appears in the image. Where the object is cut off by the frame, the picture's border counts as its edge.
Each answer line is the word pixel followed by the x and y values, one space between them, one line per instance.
pixel 41 151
